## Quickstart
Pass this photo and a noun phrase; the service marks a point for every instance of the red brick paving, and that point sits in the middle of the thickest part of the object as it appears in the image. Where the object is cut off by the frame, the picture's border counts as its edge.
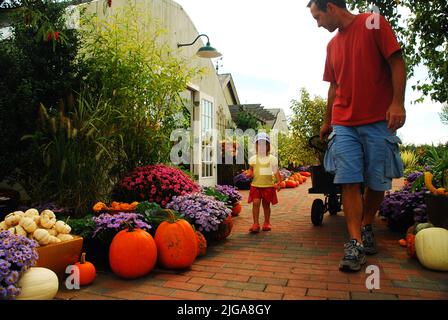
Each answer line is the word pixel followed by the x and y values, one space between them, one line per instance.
pixel 295 261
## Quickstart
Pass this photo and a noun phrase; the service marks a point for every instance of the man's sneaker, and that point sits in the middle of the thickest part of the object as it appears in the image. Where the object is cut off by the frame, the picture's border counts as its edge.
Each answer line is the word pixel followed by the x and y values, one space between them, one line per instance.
pixel 354 256
pixel 368 240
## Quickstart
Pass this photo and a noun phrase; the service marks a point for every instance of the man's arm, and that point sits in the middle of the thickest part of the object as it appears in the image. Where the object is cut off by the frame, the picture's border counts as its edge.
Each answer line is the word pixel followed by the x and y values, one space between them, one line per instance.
pixel 396 114
pixel 326 126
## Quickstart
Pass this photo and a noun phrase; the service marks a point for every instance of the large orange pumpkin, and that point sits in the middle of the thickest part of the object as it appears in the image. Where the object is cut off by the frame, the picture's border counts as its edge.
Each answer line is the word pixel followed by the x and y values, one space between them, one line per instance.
pixel 132 253
pixel 236 210
pixel 176 243
pixel 87 271
pixel 290 184
pixel 202 243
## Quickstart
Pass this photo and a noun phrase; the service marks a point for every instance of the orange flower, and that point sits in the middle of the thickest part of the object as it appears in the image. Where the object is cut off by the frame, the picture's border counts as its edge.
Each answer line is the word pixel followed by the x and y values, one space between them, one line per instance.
pixel 99 206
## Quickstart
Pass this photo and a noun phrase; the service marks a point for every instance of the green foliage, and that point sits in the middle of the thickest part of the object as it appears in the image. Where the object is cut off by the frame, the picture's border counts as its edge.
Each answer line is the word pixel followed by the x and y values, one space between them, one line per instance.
pixel 245 121
pixel 84 227
pixel 209 191
pixel 444 114
pixel 153 214
pixel 307 118
pixel 437 160
pixel 128 62
pixel 424 36
pixel 409 159
pixel 34 71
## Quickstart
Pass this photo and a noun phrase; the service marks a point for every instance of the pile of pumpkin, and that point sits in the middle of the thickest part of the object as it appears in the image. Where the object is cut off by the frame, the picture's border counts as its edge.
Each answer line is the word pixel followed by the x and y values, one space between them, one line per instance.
pixel 429 244
pixel 295 180
pixel 134 252
pixel 115 206
pixel 44 228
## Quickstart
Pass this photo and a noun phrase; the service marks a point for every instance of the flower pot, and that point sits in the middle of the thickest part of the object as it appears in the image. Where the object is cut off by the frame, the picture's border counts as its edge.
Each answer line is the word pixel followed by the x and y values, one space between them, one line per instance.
pixel 236 210
pixel 401 224
pixel 437 209
pixel 224 230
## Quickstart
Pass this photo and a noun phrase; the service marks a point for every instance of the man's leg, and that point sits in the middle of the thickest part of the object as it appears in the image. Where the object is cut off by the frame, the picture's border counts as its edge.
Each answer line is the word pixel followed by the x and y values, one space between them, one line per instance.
pixel 372 202
pixel 353 209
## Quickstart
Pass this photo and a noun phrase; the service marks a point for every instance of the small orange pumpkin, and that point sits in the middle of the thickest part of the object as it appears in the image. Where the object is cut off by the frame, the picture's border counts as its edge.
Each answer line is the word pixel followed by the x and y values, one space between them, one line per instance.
pixel 132 253
pixel 176 243
pixel 290 184
pixel 283 185
pixel 202 244
pixel 87 271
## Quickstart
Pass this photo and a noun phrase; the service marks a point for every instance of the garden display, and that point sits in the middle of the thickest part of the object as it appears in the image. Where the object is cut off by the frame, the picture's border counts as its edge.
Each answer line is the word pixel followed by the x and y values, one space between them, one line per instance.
pixel 132 253
pixel 155 183
pixel 43 227
pixel 17 255
pixel 87 271
pixel 437 201
pixel 206 213
pixel 431 246
pixel 177 243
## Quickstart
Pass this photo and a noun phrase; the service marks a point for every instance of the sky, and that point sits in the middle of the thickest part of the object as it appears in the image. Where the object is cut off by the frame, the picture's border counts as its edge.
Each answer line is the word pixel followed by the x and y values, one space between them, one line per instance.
pixel 274 48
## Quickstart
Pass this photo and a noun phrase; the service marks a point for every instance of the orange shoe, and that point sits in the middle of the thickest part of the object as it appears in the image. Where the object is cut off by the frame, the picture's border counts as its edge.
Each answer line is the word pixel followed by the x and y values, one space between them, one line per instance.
pixel 267 227
pixel 255 228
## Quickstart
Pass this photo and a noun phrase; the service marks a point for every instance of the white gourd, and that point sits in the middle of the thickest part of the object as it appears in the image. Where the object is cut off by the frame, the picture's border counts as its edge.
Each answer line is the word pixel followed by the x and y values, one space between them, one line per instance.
pixel 52 231
pixel 36 219
pixel 54 239
pixel 18 230
pixel 20 213
pixel 3 226
pixel 38 284
pixel 65 237
pixel 62 227
pixel 28 224
pixel 47 219
pixel 12 219
pixel 31 213
pixel 431 246
pixel 42 236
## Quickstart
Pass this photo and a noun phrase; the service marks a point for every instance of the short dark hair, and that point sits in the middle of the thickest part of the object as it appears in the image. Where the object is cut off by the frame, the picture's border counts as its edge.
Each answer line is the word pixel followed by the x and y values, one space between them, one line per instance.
pixel 322 4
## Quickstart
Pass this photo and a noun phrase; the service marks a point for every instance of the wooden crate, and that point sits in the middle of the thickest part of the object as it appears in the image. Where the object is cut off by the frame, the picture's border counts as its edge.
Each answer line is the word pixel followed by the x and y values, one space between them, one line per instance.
pixel 58 256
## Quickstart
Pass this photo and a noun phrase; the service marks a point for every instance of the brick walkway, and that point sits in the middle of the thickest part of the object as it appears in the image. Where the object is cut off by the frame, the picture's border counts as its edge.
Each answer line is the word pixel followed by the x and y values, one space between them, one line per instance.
pixel 295 261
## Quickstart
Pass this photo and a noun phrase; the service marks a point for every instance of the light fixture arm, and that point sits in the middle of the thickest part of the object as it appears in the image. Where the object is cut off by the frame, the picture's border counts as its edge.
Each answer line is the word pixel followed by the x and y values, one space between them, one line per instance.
pixel 190 44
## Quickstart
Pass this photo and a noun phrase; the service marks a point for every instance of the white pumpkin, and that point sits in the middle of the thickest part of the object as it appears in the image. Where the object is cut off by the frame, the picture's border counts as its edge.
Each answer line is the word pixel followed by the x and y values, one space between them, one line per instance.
pixel 38 284
pixel 20 213
pixel 62 227
pixel 431 246
pixel 18 230
pixel 28 224
pixel 52 231
pixel 42 236
pixel 54 239
pixel 12 219
pixel 3 226
pixel 47 219
pixel 31 213
pixel 65 237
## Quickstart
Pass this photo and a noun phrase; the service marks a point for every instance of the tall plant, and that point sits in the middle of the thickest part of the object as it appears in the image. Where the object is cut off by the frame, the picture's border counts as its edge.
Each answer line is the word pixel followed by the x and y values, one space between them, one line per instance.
pixel 130 62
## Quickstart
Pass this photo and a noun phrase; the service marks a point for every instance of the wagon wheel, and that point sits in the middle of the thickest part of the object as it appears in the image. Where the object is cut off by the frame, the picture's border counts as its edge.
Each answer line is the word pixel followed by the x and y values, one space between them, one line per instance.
pixel 333 204
pixel 317 212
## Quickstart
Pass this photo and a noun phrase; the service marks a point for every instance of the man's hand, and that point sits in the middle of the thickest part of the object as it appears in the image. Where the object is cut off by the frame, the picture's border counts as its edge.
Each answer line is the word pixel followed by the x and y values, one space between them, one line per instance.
pixel 396 117
pixel 326 129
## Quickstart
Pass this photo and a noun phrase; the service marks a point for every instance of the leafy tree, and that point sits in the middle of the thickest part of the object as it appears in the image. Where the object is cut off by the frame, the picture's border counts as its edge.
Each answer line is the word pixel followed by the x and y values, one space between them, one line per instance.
pixel 307 118
pixel 245 120
pixel 38 67
pixel 423 34
pixel 444 114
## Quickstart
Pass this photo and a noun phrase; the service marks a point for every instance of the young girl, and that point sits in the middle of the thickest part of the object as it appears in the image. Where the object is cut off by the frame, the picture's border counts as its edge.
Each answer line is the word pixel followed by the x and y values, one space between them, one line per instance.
pixel 263 191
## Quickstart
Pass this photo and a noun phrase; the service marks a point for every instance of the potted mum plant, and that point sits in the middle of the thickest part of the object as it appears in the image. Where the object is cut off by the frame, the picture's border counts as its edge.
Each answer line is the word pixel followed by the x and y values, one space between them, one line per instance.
pixel 234 198
pixel 209 216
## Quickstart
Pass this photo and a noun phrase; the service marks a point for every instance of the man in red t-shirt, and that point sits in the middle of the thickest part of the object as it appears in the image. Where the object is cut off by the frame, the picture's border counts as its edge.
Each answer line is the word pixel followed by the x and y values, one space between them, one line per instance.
pixel 367 76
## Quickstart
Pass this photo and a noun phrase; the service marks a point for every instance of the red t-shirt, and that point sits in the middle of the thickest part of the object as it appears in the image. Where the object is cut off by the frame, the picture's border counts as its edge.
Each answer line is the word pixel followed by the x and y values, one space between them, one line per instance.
pixel 357 63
